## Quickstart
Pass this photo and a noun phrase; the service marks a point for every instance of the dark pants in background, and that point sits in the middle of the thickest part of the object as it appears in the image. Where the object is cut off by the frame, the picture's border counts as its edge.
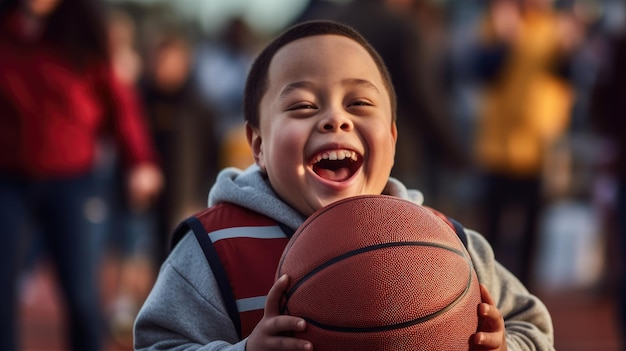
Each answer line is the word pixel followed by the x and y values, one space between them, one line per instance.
pixel 621 233
pixel 55 210
pixel 519 201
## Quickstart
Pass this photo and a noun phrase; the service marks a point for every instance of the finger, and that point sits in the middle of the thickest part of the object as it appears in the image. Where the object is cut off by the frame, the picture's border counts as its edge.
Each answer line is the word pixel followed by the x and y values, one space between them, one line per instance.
pixel 272 304
pixel 276 333
pixel 488 340
pixel 284 324
pixel 284 343
pixel 486 296
pixel 490 318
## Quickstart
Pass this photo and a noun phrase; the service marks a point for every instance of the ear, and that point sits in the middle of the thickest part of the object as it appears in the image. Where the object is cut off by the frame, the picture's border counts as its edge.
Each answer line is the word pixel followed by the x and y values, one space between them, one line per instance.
pixel 256 144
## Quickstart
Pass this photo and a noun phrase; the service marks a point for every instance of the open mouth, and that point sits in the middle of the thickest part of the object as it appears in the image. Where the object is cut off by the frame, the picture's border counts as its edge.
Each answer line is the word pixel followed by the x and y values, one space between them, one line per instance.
pixel 336 165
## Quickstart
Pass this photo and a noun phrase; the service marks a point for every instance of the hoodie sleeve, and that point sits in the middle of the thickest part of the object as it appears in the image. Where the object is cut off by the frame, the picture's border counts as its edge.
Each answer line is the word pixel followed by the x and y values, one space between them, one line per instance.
pixel 184 310
pixel 527 320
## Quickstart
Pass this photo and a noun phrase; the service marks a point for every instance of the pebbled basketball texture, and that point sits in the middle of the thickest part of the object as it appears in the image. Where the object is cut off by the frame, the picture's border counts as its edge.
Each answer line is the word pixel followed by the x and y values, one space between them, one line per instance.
pixel 376 272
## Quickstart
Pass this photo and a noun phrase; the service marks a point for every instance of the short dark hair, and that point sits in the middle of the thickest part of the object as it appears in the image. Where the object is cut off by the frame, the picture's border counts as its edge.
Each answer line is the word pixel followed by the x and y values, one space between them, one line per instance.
pixel 256 83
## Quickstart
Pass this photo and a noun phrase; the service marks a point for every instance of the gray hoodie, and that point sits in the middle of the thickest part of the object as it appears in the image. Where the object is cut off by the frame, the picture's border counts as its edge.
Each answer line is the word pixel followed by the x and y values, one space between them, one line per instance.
pixel 184 310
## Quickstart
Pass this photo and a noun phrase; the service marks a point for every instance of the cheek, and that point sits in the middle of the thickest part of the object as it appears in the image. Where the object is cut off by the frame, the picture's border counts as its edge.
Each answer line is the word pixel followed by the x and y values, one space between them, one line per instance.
pixel 382 143
pixel 384 138
pixel 285 148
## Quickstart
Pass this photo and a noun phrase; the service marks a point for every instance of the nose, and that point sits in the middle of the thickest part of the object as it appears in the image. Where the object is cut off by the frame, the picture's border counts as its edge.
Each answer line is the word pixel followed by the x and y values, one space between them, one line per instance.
pixel 335 121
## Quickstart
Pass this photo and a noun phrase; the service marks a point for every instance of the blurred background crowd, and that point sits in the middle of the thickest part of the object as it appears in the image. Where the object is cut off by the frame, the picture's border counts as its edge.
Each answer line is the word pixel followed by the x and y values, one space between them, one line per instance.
pixel 115 117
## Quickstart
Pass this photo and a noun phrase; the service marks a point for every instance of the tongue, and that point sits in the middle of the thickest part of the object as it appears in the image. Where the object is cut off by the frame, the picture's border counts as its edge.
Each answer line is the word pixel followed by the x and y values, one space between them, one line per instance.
pixel 336 175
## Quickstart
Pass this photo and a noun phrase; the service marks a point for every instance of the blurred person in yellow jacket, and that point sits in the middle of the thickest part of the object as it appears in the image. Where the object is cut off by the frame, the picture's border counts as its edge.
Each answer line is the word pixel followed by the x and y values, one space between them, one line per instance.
pixel 526 106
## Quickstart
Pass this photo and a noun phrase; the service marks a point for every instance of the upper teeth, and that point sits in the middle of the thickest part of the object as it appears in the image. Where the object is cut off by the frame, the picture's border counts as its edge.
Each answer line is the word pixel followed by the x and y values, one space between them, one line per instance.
pixel 336 155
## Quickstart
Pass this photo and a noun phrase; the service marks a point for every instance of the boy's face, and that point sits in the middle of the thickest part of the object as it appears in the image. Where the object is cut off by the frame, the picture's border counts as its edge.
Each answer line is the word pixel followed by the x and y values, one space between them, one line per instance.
pixel 326 130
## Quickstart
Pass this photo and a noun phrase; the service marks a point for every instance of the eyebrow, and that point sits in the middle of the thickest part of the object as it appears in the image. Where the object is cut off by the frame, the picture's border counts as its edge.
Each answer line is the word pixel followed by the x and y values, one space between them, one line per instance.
pixel 295 86
pixel 309 85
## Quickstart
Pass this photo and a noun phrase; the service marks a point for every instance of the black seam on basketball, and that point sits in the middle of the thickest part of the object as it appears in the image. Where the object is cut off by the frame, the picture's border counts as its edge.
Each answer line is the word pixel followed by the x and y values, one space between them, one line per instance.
pixel 327 208
pixel 349 254
pixel 406 324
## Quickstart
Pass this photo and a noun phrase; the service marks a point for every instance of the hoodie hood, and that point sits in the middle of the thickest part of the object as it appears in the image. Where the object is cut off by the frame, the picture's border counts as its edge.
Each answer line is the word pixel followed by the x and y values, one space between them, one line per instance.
pixel 251 189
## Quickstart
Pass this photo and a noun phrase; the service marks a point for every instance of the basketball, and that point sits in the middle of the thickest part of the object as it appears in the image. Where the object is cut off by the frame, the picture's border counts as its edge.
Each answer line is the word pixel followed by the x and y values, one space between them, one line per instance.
pixel 376 272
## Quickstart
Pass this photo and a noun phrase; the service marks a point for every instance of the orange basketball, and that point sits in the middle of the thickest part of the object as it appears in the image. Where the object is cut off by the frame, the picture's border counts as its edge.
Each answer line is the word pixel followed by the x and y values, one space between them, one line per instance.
pixel 376 272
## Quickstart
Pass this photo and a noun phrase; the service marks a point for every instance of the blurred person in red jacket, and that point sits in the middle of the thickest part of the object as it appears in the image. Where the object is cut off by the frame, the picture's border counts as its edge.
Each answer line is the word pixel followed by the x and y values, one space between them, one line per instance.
pixel 58 95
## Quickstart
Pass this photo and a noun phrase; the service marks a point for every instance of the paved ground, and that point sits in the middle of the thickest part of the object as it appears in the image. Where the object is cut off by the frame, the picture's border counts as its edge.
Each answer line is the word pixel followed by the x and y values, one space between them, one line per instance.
pixel 42 314
pixel 583 321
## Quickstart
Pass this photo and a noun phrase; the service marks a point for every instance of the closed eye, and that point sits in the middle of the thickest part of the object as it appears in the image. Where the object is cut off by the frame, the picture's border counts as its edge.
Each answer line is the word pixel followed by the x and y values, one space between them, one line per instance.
pixel 361 103
pixel 302 107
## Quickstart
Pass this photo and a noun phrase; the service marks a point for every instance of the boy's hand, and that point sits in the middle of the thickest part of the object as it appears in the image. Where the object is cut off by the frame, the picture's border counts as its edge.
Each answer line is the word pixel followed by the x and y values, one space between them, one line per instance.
pixel 270 333
pixel 491 331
